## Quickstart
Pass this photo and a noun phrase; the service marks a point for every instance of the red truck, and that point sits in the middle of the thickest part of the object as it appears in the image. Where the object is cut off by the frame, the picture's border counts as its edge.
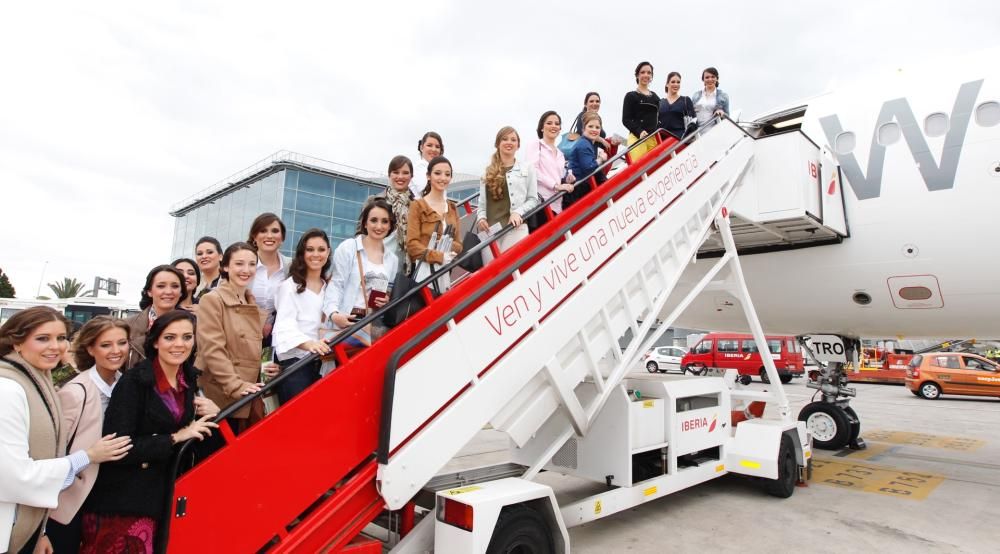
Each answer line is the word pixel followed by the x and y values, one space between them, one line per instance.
pixel 739 352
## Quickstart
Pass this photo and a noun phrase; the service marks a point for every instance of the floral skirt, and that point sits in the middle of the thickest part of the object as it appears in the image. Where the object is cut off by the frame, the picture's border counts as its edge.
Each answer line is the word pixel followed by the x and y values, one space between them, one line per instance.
pixel 117 534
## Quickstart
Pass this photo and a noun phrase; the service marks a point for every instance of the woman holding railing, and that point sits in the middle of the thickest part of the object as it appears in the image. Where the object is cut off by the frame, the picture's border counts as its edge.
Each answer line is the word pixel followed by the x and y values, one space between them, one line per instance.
pixel 549 161
pixel 583 158
pixel 507 191
pixel 711 100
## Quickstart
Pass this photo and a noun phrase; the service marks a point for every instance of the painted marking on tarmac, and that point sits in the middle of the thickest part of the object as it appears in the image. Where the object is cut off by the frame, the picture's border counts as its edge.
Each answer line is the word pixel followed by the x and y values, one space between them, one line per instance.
pixel 874 479
pixel 961 444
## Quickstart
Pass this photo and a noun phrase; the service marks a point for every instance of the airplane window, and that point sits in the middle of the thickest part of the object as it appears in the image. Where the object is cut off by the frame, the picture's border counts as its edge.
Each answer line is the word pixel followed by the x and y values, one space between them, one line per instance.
pixel 915 293
pixel 844 143
pixel 889 133
pixel 988 113
pixel 936 125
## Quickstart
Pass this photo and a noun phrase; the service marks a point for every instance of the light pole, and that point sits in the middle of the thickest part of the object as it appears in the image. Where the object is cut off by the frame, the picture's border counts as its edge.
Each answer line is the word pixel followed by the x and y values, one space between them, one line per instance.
pixel 41 279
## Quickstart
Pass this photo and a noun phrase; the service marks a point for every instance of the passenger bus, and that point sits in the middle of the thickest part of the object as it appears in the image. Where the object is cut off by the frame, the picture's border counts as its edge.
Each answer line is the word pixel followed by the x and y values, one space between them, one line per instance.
pixel 78 310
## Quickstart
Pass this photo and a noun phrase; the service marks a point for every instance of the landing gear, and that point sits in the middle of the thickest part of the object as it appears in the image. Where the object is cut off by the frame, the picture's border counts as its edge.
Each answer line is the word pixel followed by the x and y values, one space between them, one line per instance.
pixel 833 422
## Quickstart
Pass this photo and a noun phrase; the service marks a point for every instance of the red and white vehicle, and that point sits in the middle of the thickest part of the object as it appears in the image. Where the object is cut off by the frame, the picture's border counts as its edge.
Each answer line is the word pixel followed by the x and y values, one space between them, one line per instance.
pixel 739 352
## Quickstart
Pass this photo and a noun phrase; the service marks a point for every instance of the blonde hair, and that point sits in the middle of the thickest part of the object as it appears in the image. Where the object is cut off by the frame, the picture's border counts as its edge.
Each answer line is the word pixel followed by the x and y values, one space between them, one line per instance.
pixel 88 334
pixel 587 118
pixel 495 174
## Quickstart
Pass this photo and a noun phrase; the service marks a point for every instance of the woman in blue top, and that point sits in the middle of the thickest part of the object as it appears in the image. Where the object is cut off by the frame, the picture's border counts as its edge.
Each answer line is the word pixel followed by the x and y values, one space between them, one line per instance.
pixel 582 160
pixel 674 108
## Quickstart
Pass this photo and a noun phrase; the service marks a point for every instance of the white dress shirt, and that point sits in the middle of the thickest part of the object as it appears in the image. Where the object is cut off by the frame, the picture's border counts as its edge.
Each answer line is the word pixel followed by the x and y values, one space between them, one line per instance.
pixel 298 320
pixel 344 291
pixel 265 287
pixel 102 386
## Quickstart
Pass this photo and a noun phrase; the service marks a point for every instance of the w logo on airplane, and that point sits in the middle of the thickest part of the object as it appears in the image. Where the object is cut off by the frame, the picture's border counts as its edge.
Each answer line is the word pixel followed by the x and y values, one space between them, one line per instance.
pixel 936 177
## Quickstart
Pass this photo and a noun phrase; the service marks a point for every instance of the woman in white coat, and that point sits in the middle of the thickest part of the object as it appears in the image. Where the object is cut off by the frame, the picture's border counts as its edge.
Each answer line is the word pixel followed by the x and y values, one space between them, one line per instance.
pixel 33 469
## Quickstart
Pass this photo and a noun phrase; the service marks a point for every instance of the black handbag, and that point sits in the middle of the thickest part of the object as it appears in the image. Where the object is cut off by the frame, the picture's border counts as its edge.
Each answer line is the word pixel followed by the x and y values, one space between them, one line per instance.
pixel 475 261
pixel 401 285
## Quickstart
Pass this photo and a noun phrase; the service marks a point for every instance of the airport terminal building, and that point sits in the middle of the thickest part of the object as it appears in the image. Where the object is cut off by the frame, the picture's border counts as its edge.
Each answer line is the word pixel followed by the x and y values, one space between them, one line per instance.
pixel 304 191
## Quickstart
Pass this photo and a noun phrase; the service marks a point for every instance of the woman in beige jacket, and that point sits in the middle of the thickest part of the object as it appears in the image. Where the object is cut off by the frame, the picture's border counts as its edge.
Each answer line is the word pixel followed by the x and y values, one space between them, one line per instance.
pixel 100 350
pixel 229 338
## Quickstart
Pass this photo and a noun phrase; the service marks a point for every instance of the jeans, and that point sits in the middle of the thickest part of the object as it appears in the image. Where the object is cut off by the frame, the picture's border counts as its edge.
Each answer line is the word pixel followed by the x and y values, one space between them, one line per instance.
pixel 298 381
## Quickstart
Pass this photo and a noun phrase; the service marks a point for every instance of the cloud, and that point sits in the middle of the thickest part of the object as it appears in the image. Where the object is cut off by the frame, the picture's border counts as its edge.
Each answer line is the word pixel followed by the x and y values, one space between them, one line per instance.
pixel 114 111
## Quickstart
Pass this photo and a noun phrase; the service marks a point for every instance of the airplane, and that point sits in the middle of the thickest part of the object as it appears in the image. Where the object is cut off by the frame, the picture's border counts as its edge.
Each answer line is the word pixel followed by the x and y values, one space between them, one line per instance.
pixel 918 155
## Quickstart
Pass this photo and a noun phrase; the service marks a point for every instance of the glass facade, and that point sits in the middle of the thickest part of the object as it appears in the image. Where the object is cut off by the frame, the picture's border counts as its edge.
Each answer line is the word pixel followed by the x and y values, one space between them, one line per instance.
pixel 303 199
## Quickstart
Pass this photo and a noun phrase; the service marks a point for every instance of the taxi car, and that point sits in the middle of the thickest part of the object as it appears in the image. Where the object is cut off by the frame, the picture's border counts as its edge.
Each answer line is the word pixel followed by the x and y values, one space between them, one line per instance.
pixel 932 374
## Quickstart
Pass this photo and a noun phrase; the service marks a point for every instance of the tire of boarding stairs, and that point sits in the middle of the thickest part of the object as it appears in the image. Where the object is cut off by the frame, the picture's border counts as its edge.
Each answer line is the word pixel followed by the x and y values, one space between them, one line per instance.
pixel 520 529
pixel 829 424
pixel 788 470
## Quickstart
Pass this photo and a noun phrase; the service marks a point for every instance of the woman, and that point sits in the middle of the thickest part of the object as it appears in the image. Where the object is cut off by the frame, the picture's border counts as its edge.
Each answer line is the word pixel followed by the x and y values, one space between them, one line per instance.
pixel 675 110
pixel 267 234
pixel 100 349
pixel 549 161
pixel 710 101
pixel 507 191
pixel 592 103
pixel 229 338
pixel 208 252
pixel 154 403
pixel 434 216
pixel 431 145
pixel 363 269
pixel 192 279
pixel 164 289
pixel 33 469
pixel 399 196
pixel 300 312
pixel 640 109
pixel 583 160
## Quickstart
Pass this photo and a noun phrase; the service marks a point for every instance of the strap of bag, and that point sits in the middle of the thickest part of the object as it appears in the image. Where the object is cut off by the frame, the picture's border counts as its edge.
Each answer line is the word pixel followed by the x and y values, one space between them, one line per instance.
pixel 361 273
pixel 83 407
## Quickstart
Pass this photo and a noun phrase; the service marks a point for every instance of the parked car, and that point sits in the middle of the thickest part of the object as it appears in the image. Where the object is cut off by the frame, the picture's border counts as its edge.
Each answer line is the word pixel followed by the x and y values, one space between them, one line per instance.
pixel 662 359
pixel 932 374
pixel 739 352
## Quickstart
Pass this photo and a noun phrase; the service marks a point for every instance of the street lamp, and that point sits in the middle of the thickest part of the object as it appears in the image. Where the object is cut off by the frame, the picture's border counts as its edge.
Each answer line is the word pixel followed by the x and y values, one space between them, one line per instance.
pixel 41 279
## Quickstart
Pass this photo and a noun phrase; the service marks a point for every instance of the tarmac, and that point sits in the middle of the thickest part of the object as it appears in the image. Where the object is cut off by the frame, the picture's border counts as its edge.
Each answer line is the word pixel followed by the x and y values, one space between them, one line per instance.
pixel 928 482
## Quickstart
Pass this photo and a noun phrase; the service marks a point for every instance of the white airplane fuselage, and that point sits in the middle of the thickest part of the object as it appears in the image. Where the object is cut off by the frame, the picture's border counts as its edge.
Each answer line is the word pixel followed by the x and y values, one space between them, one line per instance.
pixel 922 213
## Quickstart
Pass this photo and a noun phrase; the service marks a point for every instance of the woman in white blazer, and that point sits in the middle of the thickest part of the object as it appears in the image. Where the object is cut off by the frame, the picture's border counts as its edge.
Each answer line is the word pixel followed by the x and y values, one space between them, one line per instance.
pixel 33 466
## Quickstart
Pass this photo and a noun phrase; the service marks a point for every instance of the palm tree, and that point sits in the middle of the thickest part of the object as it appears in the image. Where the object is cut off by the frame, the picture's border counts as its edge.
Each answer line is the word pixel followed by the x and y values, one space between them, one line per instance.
pixel 69 288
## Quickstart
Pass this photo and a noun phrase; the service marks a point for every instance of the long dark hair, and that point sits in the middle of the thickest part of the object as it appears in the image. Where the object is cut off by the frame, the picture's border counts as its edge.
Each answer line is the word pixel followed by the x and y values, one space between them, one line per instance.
pixel 430 167
pixel 297 270
pixel 161 323
pixel 375 202
pixel 197 272
pixel 541 121
pixel 146 300
pixel 23 323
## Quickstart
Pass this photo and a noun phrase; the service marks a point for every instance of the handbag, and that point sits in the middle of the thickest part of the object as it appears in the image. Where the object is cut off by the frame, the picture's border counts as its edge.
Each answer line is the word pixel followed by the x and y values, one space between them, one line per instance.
pixel 538 218
pixel 473 262
pixel 83 406
pixel 401 285
pixel 567 142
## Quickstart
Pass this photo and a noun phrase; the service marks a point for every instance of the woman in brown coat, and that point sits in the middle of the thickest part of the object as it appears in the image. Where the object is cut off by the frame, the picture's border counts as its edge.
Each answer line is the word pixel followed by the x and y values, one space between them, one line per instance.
pixel 229 337
pixel 430 216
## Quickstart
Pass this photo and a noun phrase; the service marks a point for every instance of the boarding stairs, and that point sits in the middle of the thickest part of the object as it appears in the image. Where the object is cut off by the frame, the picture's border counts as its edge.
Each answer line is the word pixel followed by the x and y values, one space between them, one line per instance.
pixel 517 344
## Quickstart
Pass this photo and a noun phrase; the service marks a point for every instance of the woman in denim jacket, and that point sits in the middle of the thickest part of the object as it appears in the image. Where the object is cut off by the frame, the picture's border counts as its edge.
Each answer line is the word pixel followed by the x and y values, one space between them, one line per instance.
pixel 710 101
pixel 507 191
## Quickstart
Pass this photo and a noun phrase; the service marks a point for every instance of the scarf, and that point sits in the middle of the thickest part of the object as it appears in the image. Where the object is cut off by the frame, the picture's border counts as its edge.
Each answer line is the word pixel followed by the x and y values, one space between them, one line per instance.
pixel 400 202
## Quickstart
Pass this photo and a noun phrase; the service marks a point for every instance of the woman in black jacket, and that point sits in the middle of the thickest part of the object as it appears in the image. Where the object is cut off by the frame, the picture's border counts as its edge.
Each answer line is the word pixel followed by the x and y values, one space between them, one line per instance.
pixel 640 110
pixel 154 403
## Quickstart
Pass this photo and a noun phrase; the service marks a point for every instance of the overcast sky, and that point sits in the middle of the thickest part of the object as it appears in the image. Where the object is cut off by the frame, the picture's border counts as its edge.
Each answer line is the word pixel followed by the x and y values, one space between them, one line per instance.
pixel 110 112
